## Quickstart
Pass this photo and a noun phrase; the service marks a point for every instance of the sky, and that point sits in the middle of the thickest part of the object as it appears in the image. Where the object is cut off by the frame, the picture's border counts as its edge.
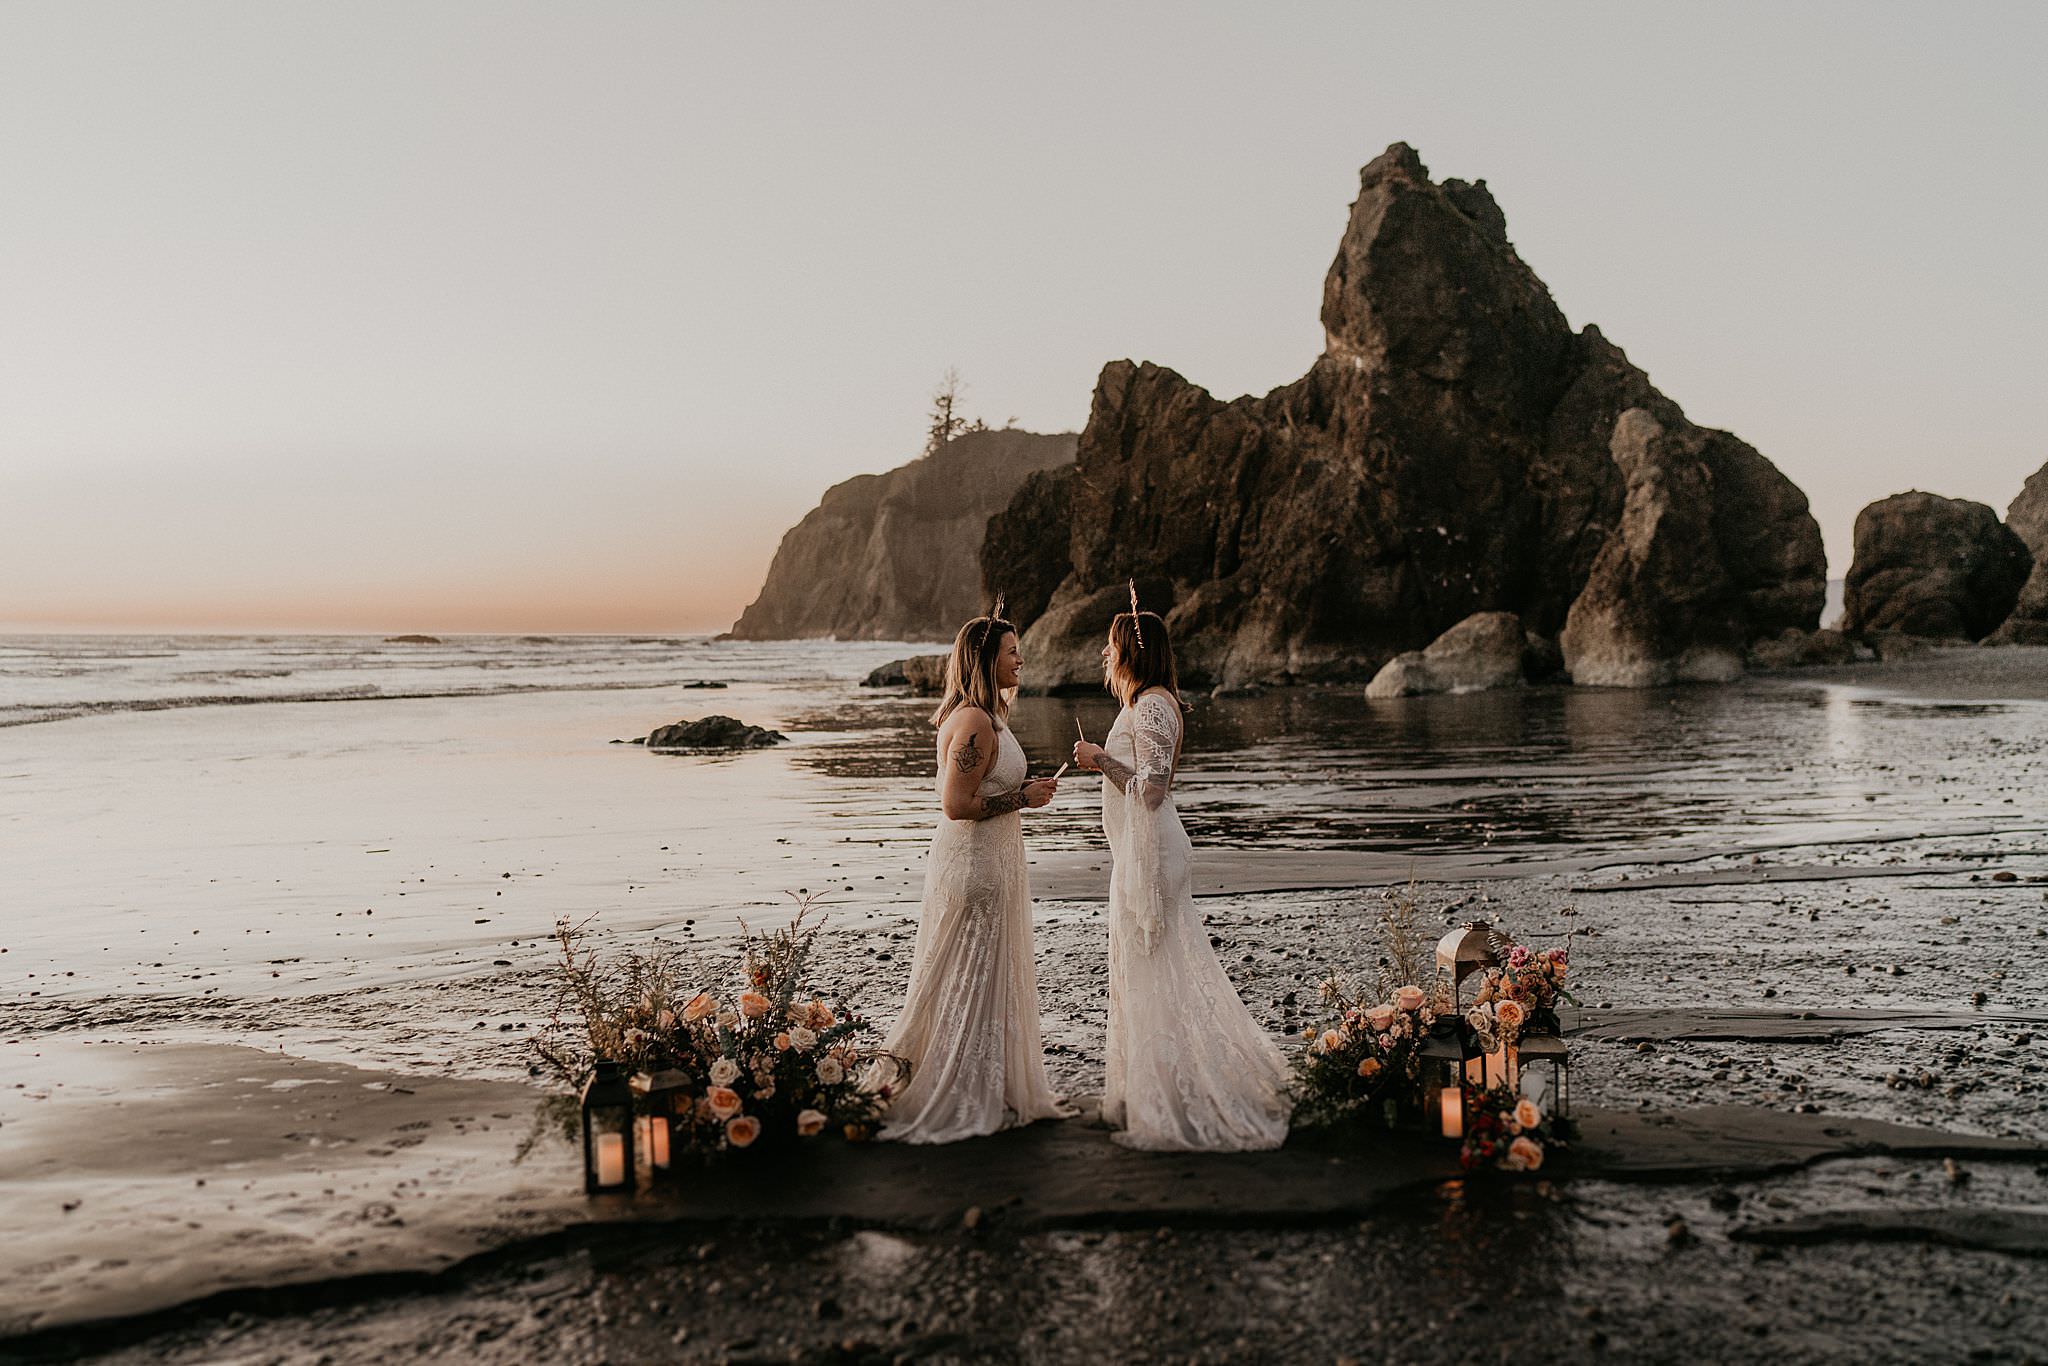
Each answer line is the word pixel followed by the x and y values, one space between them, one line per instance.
pixel 553 317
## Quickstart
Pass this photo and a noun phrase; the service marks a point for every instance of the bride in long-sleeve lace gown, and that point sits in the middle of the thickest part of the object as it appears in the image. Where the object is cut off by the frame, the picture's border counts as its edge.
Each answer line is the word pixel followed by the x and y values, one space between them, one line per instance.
pixel 969 1027
pixel 1188 1067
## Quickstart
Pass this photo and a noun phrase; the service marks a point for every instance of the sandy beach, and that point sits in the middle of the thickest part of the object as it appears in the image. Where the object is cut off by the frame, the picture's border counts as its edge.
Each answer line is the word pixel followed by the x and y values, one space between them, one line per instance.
pixel 1784 896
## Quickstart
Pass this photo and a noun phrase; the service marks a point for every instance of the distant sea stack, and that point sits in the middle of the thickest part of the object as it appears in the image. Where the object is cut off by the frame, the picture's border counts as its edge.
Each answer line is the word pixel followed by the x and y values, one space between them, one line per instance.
pixel 897 556
pixel 1934 567
pixel 2028 518
pixel 1456 449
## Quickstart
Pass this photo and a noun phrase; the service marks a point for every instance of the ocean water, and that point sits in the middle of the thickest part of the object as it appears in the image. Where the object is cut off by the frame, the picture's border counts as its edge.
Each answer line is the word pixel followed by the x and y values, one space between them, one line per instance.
pixel 263 819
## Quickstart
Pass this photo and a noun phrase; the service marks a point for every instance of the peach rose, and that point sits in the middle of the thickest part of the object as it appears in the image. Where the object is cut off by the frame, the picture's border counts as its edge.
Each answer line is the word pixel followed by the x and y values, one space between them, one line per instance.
pixel 754 1005
pixel 810 1123
pixel 728 1017
pixel 724 1102
pixel 818 1015
pixel 1369 1068
pixel 1510 1013
pixel 1527 1114
pixel 782 1043
pixel 742 1131
pixel 1331 1041
pixel 1524 1155
pixel 1379 1017
pixel 1409 998
pixel 700 1005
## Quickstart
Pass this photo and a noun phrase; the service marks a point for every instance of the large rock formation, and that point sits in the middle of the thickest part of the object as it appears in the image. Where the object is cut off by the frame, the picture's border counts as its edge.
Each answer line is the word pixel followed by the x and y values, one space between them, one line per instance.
pixel 2028 518
pixel 1454 450
pixel 1486 650
pixel 897 556
pixel 1941 568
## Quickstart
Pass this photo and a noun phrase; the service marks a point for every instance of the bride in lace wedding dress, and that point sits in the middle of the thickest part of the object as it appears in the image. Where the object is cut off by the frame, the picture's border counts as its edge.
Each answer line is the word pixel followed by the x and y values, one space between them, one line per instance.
pixel 1188 1067
pixel 969 1027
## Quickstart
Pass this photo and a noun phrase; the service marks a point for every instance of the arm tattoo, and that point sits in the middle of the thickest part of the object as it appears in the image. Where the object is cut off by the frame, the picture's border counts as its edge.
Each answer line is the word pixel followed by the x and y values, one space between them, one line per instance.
pixel 1002 804
pixel 1115 772
pixel 968 756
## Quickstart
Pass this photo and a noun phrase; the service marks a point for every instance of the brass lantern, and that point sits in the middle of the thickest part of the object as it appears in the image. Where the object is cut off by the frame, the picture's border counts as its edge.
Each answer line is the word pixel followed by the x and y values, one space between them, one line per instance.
pixel 1463 952
pixel 607 1130
pixel 662 1096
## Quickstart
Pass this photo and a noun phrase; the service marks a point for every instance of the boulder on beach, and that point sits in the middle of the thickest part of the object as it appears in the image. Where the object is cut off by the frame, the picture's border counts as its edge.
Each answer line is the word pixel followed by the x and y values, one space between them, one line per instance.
pixel 922 674
pixel 1485 650
pixel 897 556
pixel 2028 517
pixel 1793 648
pixel 412 640
pixel 1451 452
pixel 1935 567
pixel 713 732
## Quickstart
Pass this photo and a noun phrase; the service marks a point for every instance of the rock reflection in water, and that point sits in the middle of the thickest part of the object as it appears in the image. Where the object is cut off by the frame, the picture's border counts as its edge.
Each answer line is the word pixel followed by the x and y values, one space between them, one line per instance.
pixel 1600 769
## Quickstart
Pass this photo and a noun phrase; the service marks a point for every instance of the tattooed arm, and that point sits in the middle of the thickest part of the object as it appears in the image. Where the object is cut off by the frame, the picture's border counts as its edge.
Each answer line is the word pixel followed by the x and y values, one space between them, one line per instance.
pixel 967 748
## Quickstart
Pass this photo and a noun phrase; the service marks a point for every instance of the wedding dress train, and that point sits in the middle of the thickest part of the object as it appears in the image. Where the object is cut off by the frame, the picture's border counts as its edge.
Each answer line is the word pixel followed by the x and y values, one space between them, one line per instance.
pixel 970 1018
pixel 1188 1067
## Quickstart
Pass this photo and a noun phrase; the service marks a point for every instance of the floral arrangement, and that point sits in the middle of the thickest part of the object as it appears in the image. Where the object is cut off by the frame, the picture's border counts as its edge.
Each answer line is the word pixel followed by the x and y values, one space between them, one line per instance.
pixel 1505 1131
pixel 770 1064
pixel 1367 1062
pixel 1521 994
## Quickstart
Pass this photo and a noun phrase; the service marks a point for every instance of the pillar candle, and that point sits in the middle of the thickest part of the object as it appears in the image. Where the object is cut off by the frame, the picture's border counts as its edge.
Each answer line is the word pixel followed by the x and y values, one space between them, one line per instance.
pixel 1454 1111
pixel 611 1159
pixel 658 1127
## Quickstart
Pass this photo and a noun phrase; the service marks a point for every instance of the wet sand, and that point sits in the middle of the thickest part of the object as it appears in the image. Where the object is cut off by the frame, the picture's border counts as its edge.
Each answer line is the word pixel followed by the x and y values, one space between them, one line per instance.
pixel 1807 939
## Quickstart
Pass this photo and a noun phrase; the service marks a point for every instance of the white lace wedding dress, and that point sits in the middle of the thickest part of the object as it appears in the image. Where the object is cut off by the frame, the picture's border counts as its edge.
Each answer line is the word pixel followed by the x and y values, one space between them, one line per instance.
pixel 1188 1067
pixel 970 1018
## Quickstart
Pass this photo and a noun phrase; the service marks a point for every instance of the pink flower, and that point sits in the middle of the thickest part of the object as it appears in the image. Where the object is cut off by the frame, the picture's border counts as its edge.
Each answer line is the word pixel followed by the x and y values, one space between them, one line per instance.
pixel 700 1005
pixel 742 1131
pixel 1524 1155
pixel 753 1004
pixel 1379 1017
pixel 810 1123
pixel 1409 998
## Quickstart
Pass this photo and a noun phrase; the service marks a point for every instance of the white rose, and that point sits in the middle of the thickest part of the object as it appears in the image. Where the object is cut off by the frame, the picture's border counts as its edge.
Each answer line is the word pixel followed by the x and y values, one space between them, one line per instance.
pixel 802 1038
pixel 724 1072
pixel 829 1071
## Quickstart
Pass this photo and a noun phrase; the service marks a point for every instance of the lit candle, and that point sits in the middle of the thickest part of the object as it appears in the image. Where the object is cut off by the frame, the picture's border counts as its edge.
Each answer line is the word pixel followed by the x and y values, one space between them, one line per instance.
pixel 611 1159
pixel 1496 1069
pixel 658 1127
pixel 1454 1111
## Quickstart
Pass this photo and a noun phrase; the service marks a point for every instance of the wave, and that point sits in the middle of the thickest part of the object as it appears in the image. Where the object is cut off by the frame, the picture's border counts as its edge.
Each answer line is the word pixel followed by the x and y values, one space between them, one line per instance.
pixel 35 714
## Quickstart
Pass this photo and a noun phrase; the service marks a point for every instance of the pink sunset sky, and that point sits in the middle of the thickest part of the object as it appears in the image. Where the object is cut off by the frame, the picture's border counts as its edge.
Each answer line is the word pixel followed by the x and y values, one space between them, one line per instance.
pixel 520 317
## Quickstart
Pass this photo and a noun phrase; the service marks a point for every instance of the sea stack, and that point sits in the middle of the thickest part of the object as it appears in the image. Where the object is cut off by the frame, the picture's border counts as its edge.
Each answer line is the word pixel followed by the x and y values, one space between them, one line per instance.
pixel 897 556
pixel 1456 449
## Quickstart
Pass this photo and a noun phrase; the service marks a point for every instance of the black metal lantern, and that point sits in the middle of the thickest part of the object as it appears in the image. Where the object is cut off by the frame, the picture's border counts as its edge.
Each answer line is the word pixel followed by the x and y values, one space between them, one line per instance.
pixel 1446 1056
pixel 662 1096
pixel 607 1130
pixel 1463 952
pixel 1546 1068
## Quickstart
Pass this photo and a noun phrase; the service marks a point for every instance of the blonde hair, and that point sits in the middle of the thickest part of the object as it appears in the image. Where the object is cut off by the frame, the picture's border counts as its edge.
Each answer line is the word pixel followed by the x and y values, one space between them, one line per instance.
pixel 971 669
pixel 1140 656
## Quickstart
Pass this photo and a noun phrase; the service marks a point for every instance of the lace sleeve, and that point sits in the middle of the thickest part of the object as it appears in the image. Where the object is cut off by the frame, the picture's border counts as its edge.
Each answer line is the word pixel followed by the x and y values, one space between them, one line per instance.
pixel 1157 737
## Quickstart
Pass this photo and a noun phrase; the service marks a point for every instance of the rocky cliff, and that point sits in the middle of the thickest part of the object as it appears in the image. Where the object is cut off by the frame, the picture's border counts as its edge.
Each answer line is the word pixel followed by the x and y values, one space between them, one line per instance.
pixel 897 556
pixel 2028 518
pixel 1456 448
